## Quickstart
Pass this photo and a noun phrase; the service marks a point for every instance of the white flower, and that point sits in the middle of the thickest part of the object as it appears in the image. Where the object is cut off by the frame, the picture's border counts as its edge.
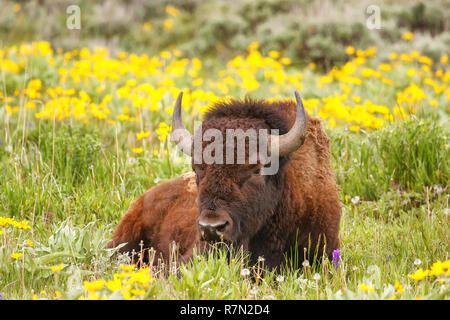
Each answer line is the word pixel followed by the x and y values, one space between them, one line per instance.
pixel 355 200
pixel 245 272
pixel 417 262
pixel 438 189
pixel 280 278
pixel 316 276
pixel 305 263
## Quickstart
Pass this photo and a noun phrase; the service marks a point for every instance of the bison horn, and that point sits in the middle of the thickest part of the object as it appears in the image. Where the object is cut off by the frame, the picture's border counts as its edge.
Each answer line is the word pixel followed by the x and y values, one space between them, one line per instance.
pixel 180 135
pixel 294 138
pixel 287 143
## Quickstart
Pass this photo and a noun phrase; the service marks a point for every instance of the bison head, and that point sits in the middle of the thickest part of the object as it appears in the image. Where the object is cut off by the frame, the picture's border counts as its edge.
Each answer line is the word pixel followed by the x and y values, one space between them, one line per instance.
pixel 235 197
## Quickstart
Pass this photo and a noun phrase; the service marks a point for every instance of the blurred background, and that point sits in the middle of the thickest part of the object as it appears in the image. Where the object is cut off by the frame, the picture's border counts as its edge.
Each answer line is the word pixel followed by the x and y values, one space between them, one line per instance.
pixel 305 31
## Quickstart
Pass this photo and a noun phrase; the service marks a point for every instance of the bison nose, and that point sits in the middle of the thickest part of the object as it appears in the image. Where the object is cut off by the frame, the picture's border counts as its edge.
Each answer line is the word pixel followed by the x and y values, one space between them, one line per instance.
pixel 212 232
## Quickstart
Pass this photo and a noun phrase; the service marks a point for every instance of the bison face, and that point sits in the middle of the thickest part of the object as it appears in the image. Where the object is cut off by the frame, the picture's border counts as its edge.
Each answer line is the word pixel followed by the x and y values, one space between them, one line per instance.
pixel 234 201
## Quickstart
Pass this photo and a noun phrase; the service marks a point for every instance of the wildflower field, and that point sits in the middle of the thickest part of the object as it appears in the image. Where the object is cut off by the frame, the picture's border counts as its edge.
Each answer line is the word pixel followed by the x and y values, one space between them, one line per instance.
pixel 84 132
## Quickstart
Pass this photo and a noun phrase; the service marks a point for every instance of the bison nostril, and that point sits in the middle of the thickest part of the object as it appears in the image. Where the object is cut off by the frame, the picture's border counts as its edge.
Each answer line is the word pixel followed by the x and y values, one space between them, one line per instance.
pixel 212 232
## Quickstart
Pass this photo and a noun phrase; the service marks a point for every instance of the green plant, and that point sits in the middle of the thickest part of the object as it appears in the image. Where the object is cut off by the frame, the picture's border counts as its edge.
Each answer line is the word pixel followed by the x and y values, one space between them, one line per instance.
pixel 70 150
pixel 415 153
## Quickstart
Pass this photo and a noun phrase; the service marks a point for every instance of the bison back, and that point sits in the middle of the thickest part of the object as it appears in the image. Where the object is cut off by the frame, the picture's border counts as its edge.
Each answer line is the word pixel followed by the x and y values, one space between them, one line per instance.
pixel 164 214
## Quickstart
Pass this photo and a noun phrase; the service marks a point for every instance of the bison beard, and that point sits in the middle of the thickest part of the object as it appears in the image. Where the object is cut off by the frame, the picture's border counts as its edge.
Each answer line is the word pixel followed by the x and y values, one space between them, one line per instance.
pixel 271 216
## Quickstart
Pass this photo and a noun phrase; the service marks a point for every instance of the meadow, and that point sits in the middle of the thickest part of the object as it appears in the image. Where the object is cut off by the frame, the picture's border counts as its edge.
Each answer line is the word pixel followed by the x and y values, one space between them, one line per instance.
pixel 84 132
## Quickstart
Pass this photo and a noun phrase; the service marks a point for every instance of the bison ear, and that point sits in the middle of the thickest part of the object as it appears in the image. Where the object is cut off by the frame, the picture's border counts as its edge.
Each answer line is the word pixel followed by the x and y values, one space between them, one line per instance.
pixel 294 138
pixel 180 135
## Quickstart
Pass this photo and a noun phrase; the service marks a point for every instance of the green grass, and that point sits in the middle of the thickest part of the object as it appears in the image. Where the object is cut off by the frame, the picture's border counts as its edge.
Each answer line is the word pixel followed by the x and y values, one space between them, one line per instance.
pixel 74 183
pixel 410 155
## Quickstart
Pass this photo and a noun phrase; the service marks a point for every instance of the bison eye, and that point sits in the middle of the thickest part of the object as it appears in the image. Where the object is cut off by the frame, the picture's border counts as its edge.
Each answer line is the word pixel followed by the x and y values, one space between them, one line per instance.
pixel 257 172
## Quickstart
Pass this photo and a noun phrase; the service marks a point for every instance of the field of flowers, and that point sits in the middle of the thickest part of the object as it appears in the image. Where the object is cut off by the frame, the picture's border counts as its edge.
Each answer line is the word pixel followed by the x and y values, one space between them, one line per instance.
pixel 126 89
pixel 84 132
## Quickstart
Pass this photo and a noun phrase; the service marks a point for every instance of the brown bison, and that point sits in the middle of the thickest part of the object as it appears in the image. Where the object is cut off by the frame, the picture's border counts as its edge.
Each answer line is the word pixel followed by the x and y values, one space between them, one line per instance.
pixel 295 210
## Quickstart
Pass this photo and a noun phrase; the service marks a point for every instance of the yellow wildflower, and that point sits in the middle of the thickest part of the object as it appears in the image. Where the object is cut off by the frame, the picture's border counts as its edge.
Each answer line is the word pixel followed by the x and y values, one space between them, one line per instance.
pixel 141 276
pixel 16 255
pixel 385 67
pixel 357 99
pixel 408 36
pixel 137 150
pixel 312 66
pixel 398 287
pixel 162 131
pixel 168 24
pixel 419 274
pixel 177 53
pixel 123 117
pixel 30 105
pixel 197 82
pixel 114 285
pixel 128 268
pixel 440 268
pixel 433 102
pixel 411 72
pixel 143 134
pixel 16 7
pixel 274 54
pixel 366 288
pixel 171 10
pixel 393 56
pixel 285 60
pixel 350 50
pixel 94 286
pixel 138 292
pixel 387 81
pixel 57 268
pixel 147 26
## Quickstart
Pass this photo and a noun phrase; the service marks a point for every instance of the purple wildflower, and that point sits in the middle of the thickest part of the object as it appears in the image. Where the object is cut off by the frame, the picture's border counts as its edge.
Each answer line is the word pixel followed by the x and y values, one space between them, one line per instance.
pixel 336 258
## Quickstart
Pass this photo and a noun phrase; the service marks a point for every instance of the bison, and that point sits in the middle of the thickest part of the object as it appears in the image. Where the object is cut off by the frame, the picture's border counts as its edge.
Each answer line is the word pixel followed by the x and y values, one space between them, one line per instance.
pixel 274 216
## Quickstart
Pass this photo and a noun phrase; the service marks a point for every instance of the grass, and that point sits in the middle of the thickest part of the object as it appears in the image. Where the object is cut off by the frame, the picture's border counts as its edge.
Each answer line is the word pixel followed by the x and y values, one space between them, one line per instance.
pixel 74 202
pixel 409 155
